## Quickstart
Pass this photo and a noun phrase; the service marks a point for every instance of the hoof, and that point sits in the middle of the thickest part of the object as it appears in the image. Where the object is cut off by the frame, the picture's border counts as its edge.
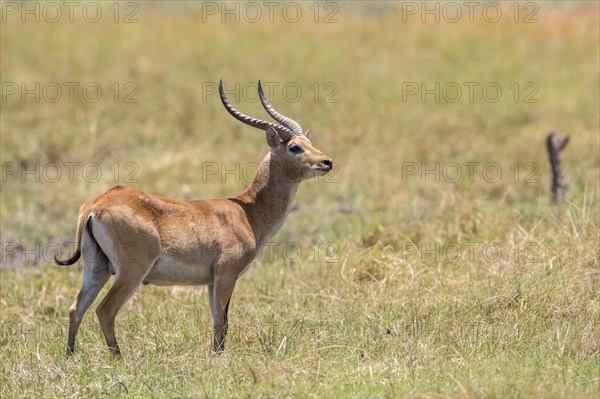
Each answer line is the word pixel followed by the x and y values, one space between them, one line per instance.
pixel 218 350
pixel 115 351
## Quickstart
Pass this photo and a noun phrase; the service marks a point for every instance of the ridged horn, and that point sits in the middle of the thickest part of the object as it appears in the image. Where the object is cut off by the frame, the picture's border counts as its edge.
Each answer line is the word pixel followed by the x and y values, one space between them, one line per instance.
pixel 284 120
pixel 284 132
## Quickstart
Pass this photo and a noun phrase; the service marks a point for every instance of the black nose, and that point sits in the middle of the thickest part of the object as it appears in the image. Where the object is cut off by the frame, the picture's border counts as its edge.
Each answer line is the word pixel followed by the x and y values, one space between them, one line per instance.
pixel 327 162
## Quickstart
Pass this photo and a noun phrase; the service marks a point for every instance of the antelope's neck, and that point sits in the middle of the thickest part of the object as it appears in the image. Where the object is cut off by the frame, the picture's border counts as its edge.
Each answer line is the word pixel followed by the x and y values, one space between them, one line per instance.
pixel 268 200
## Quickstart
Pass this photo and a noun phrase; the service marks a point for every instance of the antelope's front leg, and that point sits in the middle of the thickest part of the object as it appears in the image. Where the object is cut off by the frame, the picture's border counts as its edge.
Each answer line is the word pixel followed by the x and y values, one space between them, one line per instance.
pixel 220 292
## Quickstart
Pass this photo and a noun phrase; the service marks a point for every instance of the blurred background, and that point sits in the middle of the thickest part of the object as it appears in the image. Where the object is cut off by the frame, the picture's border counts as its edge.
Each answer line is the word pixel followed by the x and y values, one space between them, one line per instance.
pixel 436 116
pixel 389 96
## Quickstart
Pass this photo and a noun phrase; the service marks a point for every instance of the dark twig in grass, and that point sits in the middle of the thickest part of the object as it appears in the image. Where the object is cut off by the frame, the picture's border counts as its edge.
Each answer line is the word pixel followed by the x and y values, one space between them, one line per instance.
pixel 116 383
pixel 555 146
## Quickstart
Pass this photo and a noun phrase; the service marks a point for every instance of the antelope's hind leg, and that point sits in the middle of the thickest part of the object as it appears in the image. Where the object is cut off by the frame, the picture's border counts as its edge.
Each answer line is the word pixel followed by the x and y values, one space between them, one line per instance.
pixel 95 275
pixel 129 277
pixel 122 290
pixel 132 247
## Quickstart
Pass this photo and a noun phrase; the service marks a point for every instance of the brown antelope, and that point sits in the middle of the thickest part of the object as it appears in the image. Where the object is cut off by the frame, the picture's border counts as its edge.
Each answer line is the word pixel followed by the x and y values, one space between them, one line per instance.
pixel 147 239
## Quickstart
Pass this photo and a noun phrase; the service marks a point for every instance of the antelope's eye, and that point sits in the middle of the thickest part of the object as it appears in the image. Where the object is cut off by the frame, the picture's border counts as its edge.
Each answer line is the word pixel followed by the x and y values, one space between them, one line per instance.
pixel 296 149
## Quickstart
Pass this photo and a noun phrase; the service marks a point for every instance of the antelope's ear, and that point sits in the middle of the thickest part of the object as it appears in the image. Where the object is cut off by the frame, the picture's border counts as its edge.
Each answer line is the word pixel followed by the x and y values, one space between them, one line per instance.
pixel 307 134
pixel 272 138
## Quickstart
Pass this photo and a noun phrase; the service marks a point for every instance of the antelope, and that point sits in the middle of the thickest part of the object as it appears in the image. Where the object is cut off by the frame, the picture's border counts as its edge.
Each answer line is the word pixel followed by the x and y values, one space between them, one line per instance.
pixel 147 239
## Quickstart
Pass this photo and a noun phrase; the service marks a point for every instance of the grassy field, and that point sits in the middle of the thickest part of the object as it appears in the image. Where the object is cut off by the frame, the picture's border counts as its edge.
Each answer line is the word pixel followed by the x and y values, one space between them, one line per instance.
pixel 433 263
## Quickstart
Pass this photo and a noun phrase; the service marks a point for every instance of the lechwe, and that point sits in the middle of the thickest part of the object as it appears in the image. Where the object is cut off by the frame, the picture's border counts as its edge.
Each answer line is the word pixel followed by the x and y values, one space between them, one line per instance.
pixel 146 239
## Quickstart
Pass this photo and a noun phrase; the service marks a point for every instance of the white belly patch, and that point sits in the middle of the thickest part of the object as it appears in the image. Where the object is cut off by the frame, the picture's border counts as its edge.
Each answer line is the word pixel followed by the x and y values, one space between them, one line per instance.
pixel 169 270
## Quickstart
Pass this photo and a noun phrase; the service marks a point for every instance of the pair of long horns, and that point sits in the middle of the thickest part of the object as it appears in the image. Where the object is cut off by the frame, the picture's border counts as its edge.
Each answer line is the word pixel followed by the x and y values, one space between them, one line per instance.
pixel 286 130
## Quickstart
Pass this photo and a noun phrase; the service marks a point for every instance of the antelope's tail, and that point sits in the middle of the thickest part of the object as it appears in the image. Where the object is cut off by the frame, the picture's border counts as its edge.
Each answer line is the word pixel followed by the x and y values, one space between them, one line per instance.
pixel 84 219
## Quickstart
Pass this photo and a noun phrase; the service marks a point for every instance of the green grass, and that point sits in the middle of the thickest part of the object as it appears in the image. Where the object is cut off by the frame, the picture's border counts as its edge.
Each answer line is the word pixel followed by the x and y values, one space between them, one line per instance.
pixel 403 294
